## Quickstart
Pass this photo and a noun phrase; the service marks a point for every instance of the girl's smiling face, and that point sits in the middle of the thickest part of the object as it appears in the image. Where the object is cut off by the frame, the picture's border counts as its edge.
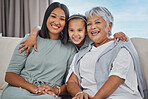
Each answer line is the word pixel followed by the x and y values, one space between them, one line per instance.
pixel 77 31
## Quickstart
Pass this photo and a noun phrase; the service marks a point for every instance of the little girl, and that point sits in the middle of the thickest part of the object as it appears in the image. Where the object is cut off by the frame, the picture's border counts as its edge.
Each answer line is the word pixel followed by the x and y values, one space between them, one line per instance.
pixel 77 31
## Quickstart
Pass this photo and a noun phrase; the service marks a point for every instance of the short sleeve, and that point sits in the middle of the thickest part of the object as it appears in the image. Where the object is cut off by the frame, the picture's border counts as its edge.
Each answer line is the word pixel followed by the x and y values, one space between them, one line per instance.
pixel 122 64
pixel 18 59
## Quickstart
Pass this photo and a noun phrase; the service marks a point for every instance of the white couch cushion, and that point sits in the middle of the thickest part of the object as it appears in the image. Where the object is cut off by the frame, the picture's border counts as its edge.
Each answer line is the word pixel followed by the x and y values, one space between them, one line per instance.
pixel 7 46
pixel 141 46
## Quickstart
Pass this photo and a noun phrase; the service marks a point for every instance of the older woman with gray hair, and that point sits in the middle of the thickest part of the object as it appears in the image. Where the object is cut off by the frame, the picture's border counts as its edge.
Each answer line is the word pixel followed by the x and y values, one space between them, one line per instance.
pixel 106 69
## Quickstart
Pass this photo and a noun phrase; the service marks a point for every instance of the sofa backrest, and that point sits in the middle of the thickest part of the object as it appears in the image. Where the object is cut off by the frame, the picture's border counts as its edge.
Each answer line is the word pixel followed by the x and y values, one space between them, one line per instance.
pixel 141 45
pixel 7 46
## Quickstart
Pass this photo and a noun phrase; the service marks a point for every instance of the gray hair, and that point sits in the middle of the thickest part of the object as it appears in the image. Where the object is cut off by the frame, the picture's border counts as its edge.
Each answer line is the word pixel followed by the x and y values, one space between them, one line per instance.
pixel 101 12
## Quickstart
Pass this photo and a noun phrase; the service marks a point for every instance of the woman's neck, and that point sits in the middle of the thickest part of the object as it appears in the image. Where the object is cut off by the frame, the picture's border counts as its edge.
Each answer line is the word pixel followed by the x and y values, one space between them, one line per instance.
pixel 103 42
pixel 54 36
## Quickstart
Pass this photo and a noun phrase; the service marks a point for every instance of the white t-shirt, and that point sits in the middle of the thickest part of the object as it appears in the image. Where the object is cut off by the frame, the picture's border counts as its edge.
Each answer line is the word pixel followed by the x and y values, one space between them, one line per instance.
pixel 87 69
pixel 122 67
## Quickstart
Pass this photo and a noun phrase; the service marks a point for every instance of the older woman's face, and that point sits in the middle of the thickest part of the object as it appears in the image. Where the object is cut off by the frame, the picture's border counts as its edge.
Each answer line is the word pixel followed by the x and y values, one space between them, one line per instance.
pixel 56 21
pixel 97 29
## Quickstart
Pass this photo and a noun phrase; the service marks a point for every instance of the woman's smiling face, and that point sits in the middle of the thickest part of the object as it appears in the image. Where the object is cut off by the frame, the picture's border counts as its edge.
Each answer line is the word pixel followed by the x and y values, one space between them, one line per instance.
pixel 56 21
pixel 97 28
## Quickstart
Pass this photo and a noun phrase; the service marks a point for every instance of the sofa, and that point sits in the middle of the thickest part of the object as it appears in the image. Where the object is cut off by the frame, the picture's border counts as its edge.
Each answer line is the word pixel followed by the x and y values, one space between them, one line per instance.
pixel 8 44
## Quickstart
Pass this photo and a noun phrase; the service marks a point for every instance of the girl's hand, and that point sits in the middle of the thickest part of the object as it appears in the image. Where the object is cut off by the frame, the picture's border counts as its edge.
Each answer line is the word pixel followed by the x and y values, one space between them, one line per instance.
pixel 121 36
pixel 82 95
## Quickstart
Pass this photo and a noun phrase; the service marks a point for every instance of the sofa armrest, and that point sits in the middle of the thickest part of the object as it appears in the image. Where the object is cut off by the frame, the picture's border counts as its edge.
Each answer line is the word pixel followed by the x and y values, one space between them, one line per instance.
pixel 7 46
pixel 141 45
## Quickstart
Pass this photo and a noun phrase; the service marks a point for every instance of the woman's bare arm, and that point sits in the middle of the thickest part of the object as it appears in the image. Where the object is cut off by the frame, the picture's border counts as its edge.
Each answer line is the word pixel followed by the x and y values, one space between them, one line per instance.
pixel 109 87
pixel 17 81
pixel 73 85
pixel 74 89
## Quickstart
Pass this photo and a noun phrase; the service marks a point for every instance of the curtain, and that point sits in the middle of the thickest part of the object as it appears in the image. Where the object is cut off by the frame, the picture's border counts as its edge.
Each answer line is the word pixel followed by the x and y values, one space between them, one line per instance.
pixel 18 17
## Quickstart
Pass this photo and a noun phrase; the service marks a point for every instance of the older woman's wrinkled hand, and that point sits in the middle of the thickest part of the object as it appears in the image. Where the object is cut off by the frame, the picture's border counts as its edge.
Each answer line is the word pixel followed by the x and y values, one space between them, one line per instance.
pixel 121 36
pixel 82 95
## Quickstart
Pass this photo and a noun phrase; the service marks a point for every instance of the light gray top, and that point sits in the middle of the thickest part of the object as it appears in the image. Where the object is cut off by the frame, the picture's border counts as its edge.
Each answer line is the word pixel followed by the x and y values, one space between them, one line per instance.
pixel 47 66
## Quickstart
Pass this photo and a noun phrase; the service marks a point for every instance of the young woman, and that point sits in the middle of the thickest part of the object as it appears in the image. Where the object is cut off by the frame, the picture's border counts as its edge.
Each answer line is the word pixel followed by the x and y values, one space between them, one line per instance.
pixel 106 69
pixel 39 75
